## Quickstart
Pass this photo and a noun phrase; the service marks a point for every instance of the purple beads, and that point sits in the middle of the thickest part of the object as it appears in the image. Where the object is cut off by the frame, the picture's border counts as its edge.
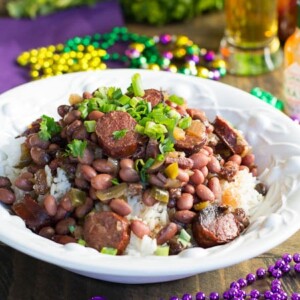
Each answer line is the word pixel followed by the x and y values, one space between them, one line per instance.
pixel 296 257
pixel 214 296
pixel 187 297
pixel 297 267
pixel 242 282
pixel 165 39
pixel 295 296
pixel 279 263
pixel 287 257
pixel 261 273
pixel 276 273
pixel 250 278
pixel 268 294
pixel 254 294
pixel 200 296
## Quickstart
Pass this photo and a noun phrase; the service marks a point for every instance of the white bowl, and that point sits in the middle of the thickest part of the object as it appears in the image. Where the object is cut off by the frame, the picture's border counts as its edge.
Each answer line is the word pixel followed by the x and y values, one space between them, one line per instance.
pixel 275 140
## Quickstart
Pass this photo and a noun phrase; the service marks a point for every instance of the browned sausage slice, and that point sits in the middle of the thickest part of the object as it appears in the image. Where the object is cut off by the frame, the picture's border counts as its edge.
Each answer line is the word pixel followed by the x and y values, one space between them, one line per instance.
pixel 111 123
pixel 192 144
pixel 230 136
pixel 106 229
pixel 216 225
pixel 34 216
pixel 153 96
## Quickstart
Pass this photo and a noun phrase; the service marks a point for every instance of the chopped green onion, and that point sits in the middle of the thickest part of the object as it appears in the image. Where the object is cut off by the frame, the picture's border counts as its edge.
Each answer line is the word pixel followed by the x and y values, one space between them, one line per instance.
pixel 162 251
pixel 184 235
pixel 118 134
pixel 185 122
pixel 124 100
pixel 90 125
pixel 137 88
pixel 134 101
pixel 48 128
pixel 160 157
pixel 166 146
pixel 81 242
pixel 117 94
pixel 115 181
pixel 176 99
pixel 109 251
pixel 139 129
pixel 155 131
pixel 76 148
pixel 183 242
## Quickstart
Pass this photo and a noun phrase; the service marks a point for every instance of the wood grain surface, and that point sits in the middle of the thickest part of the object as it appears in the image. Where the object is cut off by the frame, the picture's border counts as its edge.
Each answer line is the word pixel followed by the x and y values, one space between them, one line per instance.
pixel 25 278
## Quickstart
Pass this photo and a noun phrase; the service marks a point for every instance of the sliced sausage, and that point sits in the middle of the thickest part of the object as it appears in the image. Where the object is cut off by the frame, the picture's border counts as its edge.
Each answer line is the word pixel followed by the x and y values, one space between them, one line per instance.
pixel 34 215
pixel 106 229
pixel 192 144
pixel 114 121
pixel 230 136
pixel 153 96
pixel 216 225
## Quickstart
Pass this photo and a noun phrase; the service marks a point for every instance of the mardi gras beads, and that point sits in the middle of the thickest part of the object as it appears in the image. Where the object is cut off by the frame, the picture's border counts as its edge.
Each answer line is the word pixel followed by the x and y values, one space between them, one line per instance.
pixel 177 54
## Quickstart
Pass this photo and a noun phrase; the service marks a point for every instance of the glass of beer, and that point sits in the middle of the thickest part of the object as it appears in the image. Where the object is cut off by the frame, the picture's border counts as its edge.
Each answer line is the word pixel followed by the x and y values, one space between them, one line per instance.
pixel 250 45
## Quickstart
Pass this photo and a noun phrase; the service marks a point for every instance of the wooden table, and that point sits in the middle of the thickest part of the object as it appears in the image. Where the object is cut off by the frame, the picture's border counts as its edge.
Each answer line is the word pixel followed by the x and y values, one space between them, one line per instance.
pixel 25 278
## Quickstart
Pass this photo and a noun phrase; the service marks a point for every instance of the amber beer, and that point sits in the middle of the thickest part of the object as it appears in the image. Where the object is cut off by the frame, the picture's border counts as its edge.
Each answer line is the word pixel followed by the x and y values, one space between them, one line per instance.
pixel 250 23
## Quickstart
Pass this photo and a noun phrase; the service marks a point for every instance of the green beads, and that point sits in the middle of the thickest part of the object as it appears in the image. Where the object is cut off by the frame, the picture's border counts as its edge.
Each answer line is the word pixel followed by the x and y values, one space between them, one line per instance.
pixel 177 54
pixel 267 97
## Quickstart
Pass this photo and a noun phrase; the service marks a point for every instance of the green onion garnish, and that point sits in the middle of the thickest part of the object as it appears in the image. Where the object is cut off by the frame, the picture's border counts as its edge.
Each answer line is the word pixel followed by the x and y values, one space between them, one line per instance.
pixel 118 134
pixel 176 99
pixel 76 148
pixel 48 128
pixel 137 88
pixel 90 125
pixel 185 122
pixel 109 251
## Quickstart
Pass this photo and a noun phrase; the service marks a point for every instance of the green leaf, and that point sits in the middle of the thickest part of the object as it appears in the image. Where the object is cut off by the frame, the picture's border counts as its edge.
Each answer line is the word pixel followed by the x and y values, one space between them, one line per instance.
pixel 176 99
pixel 76 148
pixel 185 122
pixel 48 128
pixel 118 134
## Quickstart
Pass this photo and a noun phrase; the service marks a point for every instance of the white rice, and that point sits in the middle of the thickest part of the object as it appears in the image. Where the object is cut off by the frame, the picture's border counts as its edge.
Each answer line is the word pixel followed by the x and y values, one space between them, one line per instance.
pixel 242 189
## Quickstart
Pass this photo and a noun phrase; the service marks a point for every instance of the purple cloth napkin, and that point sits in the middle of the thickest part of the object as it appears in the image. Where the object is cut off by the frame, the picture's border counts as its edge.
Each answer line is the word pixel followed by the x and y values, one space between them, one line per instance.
pixel 17 36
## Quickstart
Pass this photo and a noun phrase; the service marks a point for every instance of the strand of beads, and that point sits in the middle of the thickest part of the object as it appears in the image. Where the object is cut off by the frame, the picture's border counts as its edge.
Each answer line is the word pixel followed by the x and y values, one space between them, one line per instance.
pixel 94 52
pixel 236 290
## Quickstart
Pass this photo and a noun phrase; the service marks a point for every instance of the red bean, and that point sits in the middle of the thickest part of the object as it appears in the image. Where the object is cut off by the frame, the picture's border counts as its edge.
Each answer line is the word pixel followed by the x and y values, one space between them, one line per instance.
pixel 204 171
pixel 147 199
pixel 101 181
pixel 35 141
pixel 214 185
pixel 80 133
pixel 85 208
pixel 60 214
pixel 185 201
pixel 66 203
pixel 189 189
pixel 208 149
pixel 87 95
pixel 64 239
pixel 139 228
pixel 88 157
pixel 71 116
pixel 95 115
pixel 88 172
pixel 129 175
pixel 25 181
pixel 62 110
pixel 81 183
pixel 120 206
pixel 39 156
pixel 50 205
pixel 166 233
pixel 241 168
pixel 127 163
pixel 214 165
pixel 7 196
pixel 183 176
pixel 204 193
pixel 236 158
pixel 200 160
pixel 184 216
pixel 154 180
pixel 197 177
pixel 248 160
pixel 47 232
pixel 254 171
pixel 92 193
pixel 5 182
pixel 103 166
pixel 63 226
